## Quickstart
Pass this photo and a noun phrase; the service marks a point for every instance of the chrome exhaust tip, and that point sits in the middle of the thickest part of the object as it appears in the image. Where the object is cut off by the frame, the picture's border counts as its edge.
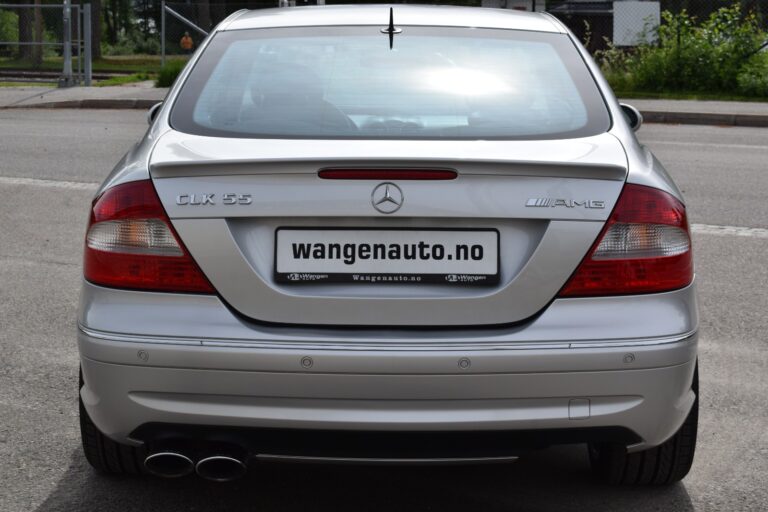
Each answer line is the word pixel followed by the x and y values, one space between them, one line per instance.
pixel 169 464
pixel 221 468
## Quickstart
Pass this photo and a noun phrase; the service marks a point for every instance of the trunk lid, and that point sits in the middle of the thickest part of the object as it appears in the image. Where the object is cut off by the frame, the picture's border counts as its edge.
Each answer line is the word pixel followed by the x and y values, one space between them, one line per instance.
pixel 547 200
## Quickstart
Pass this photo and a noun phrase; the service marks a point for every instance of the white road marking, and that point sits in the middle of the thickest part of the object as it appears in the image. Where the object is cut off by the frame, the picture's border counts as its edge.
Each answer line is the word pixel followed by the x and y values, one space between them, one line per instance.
pixel 705 144
pixel 33 182
pixel 699 229
pixel 709 229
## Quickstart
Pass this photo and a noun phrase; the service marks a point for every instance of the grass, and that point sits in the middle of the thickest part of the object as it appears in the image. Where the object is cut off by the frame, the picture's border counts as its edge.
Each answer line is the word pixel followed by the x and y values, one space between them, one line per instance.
pixel 138 68
pixel 134 63
pixel 26 84
pixel 126 79
pixel 119 63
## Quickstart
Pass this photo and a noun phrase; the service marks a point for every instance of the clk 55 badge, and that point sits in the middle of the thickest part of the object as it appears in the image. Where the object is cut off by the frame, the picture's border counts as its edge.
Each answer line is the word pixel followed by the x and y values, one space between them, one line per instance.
pixel 229 198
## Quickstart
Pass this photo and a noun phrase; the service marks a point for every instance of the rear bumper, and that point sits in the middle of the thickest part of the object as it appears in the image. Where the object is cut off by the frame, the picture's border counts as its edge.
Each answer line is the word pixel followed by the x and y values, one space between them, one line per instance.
pixel 581 365
pixel 642 385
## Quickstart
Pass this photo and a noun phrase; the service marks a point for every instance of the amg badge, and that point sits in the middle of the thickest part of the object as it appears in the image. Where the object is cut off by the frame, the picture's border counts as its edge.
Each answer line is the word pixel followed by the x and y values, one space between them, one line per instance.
pixel 548 202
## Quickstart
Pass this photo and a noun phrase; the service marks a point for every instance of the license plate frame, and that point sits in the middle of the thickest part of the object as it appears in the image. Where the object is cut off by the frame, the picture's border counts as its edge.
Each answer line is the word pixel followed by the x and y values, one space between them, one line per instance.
pixel 308 271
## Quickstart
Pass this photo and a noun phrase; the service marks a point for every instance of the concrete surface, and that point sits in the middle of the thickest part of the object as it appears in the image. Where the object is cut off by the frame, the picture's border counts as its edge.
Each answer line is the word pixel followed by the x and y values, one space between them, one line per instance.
pixel 707 107
pixel 139 95
pixel 49 164
pixel 724 113
pixel 15 95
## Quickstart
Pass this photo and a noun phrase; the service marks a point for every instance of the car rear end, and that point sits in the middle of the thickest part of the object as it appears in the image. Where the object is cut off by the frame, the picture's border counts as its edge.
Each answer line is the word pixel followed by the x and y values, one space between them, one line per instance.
pixel 330 249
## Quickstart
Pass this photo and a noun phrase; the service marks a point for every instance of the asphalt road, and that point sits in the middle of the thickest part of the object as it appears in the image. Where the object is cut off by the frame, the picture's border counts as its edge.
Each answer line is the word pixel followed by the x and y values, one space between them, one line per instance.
pixel 723 172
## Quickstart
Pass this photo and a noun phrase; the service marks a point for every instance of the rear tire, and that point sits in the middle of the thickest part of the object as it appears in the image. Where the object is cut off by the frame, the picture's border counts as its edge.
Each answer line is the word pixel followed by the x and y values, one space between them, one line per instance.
pixel 104 454
pixel 663 465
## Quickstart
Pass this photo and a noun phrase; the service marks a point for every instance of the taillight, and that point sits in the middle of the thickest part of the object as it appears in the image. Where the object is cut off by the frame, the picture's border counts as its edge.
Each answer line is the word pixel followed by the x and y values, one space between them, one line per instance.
pixel 645 247
pixel 131 244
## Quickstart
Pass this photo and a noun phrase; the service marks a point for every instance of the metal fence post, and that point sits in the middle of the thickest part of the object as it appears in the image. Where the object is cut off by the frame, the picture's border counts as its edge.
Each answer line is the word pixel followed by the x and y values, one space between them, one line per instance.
pixel 87 50
pixel 66 76
pixel 79 42
pixel 162 33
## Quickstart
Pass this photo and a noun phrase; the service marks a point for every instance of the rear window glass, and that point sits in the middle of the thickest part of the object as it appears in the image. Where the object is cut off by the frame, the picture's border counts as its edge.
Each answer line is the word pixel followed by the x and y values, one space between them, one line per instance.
pixel 434 83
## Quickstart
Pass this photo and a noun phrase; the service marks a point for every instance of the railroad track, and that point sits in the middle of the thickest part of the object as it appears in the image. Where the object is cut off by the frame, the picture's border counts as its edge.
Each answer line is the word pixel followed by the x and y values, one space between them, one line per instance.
pixel 45 76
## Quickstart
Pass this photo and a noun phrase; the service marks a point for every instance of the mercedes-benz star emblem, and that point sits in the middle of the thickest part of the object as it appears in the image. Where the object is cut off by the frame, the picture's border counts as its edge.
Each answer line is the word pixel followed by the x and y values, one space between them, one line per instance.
pixel 387 198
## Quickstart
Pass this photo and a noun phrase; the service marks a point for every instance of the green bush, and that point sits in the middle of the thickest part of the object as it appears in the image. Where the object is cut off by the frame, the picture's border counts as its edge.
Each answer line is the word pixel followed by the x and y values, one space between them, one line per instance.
pixel 169 72
pixel 9 26
pixel 718 55
pixel 753 77
pixel 9 31
pixel 135 43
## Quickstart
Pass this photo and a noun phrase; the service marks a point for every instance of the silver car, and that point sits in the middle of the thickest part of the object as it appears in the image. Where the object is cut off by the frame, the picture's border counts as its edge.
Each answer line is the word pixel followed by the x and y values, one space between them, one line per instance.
pixel 388 235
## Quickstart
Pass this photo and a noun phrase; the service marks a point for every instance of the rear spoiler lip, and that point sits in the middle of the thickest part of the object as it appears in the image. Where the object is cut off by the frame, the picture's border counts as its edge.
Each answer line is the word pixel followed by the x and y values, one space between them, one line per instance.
pixel 310 165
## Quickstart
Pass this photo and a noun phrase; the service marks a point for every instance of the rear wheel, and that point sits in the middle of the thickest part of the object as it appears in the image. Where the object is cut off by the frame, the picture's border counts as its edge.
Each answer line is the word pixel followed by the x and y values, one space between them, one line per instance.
pixel 665 464
pixel 104 454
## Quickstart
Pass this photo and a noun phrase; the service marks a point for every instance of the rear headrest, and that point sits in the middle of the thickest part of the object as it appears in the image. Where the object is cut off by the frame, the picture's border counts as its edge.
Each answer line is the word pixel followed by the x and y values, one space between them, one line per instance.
pixel 286 81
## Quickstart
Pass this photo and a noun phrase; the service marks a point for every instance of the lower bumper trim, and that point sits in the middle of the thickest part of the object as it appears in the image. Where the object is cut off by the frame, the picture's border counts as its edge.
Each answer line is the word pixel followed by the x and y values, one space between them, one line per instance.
pixel 380 461
pixel 376 447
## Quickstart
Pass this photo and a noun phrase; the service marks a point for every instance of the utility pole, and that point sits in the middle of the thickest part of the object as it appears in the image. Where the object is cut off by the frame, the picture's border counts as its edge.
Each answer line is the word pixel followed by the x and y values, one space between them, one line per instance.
pixel 37 50
pixel 162 33
pixel 87 44
pixel 66 27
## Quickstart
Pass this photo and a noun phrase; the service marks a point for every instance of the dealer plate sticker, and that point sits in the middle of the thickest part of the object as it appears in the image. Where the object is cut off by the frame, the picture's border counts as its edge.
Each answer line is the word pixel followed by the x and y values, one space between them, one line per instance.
pixel 366 256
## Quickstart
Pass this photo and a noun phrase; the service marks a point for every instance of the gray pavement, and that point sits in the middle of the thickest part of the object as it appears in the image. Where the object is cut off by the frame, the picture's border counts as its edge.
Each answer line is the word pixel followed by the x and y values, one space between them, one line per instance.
pixel 60 145
pixel 10 96
pixel 722 171
pixel 42 222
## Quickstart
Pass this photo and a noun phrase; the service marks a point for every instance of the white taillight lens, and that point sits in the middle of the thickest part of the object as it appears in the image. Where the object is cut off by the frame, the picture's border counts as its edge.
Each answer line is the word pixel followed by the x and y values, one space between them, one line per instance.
pixel 134 236
pixel 623 241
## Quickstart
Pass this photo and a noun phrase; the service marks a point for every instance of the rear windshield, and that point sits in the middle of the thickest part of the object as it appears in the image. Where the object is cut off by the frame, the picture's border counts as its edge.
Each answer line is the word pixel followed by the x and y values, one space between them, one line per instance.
pixel 434 83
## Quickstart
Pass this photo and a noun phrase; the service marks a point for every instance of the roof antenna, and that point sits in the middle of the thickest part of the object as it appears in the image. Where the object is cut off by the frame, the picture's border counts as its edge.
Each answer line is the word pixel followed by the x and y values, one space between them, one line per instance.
pixel 391 29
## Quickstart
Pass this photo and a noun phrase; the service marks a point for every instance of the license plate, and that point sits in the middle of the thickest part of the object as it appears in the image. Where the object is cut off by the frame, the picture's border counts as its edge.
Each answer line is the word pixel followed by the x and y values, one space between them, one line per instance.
pixel 387 256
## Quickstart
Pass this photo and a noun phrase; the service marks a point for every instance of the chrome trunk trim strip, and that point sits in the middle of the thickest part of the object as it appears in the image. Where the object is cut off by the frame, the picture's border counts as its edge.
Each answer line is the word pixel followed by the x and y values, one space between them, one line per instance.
pixel 362 346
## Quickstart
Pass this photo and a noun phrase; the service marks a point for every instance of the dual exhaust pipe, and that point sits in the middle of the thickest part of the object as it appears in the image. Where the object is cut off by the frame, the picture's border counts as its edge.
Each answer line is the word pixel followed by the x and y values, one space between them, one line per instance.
pixel 217 468
pixel 226 467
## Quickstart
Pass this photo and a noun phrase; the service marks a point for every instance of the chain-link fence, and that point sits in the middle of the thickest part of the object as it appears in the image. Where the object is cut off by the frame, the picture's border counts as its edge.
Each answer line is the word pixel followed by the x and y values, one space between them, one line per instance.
pixel 620 22
pixel 32 35
pixel 186 23
pixel 44 43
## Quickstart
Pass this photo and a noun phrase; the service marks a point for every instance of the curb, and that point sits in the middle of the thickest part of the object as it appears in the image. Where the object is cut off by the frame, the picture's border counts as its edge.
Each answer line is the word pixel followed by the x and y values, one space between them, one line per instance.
pixel 106 104
pixel 712 119
pixel 649 116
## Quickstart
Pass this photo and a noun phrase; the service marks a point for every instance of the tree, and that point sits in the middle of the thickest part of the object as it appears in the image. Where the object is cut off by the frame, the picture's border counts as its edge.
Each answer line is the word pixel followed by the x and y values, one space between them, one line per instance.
pixel 37 50
pixel 96 28
pixel 117 19
pixel 25 33
pixel 204 13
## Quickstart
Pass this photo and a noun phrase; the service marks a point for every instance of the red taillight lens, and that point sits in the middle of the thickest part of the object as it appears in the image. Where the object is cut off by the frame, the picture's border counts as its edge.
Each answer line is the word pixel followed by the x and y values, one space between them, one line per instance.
pixel 645 247
pixel 131 244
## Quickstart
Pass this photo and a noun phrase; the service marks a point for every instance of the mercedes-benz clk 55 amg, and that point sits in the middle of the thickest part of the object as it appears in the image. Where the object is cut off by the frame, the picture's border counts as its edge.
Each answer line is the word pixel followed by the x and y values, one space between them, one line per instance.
pixel 409 235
